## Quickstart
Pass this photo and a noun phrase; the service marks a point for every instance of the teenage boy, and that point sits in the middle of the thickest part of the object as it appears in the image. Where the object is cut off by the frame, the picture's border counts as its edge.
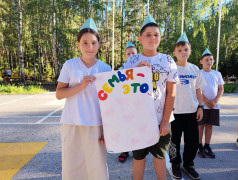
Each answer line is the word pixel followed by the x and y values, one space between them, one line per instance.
pixel 164 83
pixel 188 110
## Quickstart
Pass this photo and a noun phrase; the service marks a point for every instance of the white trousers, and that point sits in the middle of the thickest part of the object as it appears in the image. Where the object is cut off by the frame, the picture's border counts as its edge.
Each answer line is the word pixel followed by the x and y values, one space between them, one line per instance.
pixel 83 157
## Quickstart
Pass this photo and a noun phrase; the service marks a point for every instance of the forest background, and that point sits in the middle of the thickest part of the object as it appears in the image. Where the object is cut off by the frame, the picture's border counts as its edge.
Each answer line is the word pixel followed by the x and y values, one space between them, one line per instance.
pixel 38 36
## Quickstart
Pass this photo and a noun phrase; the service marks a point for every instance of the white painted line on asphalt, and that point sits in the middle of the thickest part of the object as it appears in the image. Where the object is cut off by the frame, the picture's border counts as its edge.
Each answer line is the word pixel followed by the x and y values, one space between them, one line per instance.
pixel 50 93
pixel 55 102
pixel 25 117
pixel 18 99
pixel 168 166
pixel 18 123
pixel 49 115
pixel 228 115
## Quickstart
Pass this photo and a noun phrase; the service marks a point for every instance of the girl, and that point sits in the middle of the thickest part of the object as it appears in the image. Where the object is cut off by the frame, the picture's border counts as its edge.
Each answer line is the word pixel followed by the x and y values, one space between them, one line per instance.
pixel 83 157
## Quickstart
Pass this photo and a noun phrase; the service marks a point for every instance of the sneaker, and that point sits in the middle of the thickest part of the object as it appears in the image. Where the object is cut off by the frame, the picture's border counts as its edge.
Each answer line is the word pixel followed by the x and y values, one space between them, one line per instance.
pixel 209 152
pixel 201 152
pixel 176 171
pixel 191 172
pixel 123 156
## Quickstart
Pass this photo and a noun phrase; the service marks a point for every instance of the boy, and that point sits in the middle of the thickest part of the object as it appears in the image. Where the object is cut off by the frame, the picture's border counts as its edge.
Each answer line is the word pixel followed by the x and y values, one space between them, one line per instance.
pixel 188 110
pixel 212 92
pixel 164 84
pixel 130 50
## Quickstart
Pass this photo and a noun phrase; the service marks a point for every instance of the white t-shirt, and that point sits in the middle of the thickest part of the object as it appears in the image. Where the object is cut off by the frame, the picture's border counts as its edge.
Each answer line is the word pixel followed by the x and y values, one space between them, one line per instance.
pixel 190 78
pixel 82 108
pixel 213 80
pixel 164 69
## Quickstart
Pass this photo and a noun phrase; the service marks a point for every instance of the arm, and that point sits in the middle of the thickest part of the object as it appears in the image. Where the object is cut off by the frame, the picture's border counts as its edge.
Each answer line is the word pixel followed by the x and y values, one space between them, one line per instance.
pixel 200 110
pixel 168 106
pixel 207 102
pixel 219 94
pixel 63 91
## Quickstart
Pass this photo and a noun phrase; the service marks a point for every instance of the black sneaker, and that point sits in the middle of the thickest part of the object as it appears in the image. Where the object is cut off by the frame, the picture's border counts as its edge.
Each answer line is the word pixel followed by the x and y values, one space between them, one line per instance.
pixel 201 152
pixel 176 171
pixel 209 152
pixel 191 172
pixel 123 156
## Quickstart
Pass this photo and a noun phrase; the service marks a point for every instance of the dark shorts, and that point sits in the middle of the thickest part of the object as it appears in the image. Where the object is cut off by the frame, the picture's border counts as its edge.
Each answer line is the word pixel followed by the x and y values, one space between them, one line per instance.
pixel 158 150
pixel 210 116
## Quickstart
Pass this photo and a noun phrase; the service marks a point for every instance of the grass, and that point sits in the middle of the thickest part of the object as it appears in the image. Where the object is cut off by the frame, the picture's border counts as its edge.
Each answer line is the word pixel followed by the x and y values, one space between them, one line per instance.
pixel 11 89
pixel 230 88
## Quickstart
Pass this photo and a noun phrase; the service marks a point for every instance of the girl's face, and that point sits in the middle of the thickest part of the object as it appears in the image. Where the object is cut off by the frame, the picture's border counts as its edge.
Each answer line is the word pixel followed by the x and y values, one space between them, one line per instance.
pixel 150 38
pixel 88 45
pixel 182 52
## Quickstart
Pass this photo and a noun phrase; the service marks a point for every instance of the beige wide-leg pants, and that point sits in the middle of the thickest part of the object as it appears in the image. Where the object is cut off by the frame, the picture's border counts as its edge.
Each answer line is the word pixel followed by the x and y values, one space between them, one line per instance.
pixel 83 157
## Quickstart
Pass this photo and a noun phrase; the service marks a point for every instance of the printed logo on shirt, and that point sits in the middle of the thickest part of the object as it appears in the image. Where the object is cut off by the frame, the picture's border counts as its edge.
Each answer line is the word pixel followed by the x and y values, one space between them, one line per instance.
pixel 186 81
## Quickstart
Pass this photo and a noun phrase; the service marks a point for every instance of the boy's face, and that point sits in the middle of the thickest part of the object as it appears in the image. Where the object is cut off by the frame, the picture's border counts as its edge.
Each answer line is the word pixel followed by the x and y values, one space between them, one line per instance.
pixel 150 38
pixel 182 52
pixel 207 62
pixel 130 51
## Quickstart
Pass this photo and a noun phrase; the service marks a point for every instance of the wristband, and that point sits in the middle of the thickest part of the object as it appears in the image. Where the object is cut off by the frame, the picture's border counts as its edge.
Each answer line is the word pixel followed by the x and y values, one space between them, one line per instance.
pixel 200 106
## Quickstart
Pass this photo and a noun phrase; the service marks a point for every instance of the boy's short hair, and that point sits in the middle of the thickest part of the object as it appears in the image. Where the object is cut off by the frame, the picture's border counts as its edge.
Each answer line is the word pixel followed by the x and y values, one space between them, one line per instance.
pixel 131 47
pixel 149 25
pixel 181 43
pixel 206 55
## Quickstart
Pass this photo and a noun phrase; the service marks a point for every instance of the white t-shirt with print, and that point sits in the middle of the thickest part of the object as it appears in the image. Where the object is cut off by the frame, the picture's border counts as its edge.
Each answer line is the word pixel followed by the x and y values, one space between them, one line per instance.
pixel 83 107
pixel 213 80
pixel 190 78
pixel 164 69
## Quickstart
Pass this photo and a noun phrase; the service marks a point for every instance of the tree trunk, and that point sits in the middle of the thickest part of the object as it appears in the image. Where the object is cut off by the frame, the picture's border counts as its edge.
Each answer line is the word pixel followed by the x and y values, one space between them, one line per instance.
pixel 38 42
pixel 167 27
pixel 5 47
pixel 211 28
pixel 55 61
pixel 20 52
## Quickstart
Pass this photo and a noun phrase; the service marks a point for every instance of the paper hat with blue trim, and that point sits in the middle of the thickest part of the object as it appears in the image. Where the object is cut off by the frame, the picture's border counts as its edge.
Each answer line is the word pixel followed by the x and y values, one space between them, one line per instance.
pixel 149 19
pixel 89 23
pixel 129 44
pixel 183 37
pixel 206 52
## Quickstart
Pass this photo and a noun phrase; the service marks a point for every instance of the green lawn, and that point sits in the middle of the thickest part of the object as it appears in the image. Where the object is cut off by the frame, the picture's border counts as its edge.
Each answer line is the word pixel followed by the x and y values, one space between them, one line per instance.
pixel 230 88
pixel 31 89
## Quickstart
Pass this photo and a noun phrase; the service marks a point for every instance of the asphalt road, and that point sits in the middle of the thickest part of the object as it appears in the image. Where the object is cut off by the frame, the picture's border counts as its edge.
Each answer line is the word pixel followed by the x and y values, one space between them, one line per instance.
pixel 35 118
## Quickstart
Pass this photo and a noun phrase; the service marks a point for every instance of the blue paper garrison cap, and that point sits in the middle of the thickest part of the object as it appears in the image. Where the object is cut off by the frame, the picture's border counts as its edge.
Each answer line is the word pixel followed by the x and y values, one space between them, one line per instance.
pixel 206 52
pixel 89 23
pixel 149 19
pixel 183 37
pixel 129 44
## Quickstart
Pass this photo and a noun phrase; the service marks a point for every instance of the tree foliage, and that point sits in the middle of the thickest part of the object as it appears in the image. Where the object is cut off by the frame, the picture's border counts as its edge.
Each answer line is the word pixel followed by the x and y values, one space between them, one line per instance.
pixel 50 27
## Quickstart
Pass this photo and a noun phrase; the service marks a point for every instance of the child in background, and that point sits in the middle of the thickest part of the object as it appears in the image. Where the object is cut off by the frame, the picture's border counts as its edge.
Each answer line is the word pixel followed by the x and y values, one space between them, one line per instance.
pixel 130 50
pixel 83 155
pixel 188 110
pixel 212 93
pixel 164 82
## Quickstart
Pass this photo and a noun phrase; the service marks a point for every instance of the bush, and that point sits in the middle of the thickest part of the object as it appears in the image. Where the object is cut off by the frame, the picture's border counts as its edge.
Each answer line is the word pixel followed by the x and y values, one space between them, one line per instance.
pixel 230 88
pixel 11 89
